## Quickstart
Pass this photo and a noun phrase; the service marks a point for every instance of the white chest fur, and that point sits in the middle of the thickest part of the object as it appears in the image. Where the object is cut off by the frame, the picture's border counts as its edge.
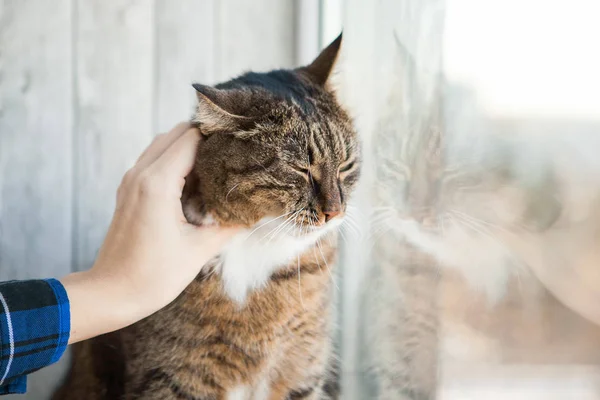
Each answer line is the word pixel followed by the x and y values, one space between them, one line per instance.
pixel 254 255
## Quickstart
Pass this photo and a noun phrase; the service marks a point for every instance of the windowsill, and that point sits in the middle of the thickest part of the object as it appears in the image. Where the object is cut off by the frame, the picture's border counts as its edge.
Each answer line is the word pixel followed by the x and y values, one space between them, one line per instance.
pixel 471 381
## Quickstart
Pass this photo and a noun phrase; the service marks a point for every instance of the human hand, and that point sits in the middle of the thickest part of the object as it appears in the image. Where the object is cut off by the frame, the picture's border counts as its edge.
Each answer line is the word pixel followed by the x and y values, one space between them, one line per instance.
pixel 151 253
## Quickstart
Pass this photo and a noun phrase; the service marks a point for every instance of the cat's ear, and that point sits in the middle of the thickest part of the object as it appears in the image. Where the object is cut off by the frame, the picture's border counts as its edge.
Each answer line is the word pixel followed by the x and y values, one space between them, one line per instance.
pixel 218 110
pixel 320 69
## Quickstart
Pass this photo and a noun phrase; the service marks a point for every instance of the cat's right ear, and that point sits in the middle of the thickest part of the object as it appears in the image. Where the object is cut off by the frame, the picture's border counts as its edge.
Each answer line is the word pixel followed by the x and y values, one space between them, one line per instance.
pixel 217 109
pixel 319 71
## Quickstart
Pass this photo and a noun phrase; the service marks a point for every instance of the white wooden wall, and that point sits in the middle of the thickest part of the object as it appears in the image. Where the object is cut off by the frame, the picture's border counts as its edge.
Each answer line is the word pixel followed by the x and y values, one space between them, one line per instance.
pixel 84 86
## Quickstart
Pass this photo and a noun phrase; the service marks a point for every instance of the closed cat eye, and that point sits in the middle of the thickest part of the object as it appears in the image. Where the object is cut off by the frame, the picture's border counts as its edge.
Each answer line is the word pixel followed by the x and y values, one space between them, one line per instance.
pixel 302 170
pixel 347 167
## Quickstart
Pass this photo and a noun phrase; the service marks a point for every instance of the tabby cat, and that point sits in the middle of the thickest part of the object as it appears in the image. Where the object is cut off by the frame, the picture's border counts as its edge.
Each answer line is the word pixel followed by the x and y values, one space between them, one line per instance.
pixel 280 157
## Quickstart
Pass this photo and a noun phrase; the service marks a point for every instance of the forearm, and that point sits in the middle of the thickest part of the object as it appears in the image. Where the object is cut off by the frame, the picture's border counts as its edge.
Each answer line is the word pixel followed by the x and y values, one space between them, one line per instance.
pixel 98 305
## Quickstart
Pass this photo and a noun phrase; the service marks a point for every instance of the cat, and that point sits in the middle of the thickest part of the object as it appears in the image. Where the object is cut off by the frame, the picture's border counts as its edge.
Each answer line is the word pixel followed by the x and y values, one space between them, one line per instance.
pixel 281 157
pixel 442 201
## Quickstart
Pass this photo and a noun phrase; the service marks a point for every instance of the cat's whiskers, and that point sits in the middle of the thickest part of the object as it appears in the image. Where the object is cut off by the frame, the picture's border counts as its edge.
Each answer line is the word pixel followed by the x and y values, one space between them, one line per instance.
pixel 277 227
pixel 380 222
pixel 461 223
pixel 484 226
pixel 349 229
pixel 314 248
pixel 299 277
pixel 383 211
pixel 266 223
pixel 231 190
pixel 275 231
pixel 353 210
pixel 318 243
pixel 482 230
pixel 383 208
pixel 375 236
pixel 479 220
pixel 288 223
pixel 343 237
pixel 352 221
pixel 352 225
pixel 376 233
pixel 289 229
pixel 314 217
pixel 291 225
pixel 380 217
pixel 442 219
pixel 330 239
pixel 317 246
pixel 499 242
pixel 353 207
pixel 327 265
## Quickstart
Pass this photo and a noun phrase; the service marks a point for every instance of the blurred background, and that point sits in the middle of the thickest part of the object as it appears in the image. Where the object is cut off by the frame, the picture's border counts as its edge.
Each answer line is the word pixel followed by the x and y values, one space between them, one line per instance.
pixel 86 84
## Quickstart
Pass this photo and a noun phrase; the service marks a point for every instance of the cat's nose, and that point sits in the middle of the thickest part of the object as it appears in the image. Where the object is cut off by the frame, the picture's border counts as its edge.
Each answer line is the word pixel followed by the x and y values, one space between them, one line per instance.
pixel 329 215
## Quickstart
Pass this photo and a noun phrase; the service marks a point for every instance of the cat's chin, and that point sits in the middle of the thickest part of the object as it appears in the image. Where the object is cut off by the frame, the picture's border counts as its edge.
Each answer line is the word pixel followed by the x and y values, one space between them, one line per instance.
pixel 253 255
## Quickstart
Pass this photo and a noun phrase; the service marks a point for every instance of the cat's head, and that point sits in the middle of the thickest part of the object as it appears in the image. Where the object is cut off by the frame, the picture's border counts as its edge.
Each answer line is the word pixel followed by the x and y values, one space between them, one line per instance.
pixel 276 145
pixel 477 209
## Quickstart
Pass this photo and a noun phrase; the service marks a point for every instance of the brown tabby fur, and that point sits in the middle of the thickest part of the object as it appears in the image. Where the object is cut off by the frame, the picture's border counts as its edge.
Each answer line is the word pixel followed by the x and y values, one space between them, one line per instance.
pixel 264 132
pixel 203 344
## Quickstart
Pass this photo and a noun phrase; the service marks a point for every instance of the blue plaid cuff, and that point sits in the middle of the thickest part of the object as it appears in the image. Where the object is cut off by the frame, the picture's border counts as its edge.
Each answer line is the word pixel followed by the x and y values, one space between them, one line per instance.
pixel 35 324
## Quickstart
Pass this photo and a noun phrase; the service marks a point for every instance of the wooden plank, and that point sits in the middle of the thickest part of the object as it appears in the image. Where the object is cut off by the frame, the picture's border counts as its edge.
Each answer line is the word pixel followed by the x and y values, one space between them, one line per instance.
pixel 185 54
pixel 308 18
pixel 114 45
pixel 35 139
pixel 35 149
pixel 257 35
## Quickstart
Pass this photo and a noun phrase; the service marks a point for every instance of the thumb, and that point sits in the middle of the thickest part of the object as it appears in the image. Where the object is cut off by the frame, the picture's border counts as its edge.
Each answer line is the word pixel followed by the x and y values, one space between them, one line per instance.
pixel 178 159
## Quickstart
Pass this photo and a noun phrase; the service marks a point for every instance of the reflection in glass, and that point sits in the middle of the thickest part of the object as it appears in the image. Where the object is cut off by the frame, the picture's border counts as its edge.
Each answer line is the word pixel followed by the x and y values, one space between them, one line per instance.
pixel 483 278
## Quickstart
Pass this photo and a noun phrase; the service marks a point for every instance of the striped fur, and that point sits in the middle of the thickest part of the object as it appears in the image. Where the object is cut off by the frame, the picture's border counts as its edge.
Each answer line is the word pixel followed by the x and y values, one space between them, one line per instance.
pixel 278 148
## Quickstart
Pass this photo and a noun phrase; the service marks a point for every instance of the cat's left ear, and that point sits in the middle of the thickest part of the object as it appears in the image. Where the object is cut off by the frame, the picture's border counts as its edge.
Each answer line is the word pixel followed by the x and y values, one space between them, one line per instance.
pixel 320 69
pixel 219 110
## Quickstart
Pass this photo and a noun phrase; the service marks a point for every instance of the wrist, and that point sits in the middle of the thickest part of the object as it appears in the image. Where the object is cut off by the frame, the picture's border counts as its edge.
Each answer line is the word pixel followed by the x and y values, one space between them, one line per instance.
pixel 99 304
pixel 122 292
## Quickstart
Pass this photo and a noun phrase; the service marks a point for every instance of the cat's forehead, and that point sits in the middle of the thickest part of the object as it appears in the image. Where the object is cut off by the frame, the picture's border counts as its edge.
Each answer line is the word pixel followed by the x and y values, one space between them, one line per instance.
pixel 295 128
pixel 295 117
pixel 321 142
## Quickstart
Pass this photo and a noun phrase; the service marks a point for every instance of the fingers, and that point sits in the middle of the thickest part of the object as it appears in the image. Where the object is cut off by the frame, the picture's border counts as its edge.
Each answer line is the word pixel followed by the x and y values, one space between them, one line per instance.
pixel 150 176
pixel 177 160
pixel 160 144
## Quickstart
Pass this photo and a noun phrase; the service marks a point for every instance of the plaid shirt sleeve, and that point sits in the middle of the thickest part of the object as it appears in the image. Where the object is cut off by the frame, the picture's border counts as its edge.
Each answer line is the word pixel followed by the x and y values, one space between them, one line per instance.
pixel 35 324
